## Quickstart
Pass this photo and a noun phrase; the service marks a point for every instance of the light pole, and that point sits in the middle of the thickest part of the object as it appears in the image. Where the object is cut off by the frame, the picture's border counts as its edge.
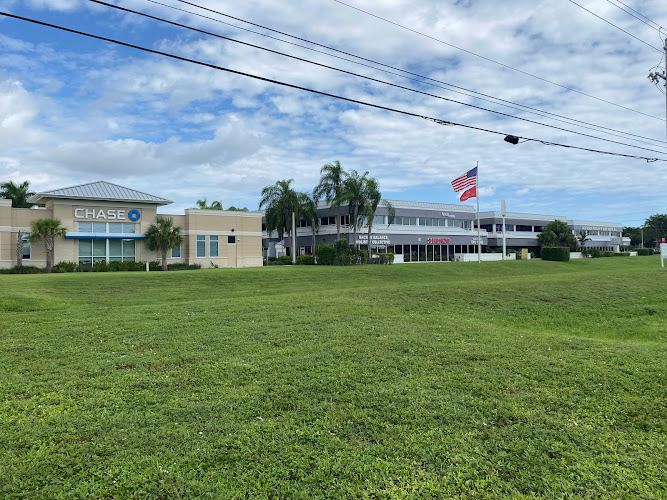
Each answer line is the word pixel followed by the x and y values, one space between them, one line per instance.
pixel 655 77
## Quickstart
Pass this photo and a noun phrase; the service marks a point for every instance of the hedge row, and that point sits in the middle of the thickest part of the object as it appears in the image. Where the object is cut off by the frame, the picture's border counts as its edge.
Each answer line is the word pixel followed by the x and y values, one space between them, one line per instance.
pixel 100 267
pixel 559 254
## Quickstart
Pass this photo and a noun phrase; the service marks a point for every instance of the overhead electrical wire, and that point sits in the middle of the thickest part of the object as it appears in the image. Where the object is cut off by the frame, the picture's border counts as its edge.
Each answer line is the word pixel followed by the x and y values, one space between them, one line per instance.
pixel 318 92
pixel 488 59
pixel 646 20
pixel 486 97
pixel 617 27
pixel 173 23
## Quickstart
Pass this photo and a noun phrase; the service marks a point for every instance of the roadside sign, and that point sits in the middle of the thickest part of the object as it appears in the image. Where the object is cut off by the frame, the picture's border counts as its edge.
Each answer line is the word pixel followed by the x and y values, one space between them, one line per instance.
pixel 663 253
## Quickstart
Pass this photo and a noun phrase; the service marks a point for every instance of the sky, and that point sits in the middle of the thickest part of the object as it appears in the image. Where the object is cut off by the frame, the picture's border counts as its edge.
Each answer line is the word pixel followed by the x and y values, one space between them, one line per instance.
pixel 74 109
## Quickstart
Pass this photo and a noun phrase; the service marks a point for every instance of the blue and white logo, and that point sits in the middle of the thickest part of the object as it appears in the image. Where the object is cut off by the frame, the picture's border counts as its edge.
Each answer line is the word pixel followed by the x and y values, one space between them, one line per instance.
pixel 134 215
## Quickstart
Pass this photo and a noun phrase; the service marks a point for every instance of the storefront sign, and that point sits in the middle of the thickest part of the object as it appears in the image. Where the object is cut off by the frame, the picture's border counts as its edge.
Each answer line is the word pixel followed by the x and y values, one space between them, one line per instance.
pixel 109 214
pixel 439 240
pixel 599 228
pixel 379 240
pixel 448 215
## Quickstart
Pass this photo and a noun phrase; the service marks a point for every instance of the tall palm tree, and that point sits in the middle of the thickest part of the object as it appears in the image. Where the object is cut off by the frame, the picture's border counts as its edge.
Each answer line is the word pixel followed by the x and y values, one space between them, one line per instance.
pixel 332 177
pixel 47 229
pixel 215 205
pixel 18 193
pixel 308 209
pixel 280 201
pixel 373 201
pixel 162 235
pixel 354 195
pixel 583 238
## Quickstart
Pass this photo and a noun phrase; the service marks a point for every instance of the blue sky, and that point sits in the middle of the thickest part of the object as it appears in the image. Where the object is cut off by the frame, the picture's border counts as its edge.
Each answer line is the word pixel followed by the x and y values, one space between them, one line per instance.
pixel 76 110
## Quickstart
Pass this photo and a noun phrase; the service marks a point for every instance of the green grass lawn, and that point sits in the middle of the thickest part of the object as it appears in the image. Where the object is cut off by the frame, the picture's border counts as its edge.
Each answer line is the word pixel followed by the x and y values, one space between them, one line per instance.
pixel 454 380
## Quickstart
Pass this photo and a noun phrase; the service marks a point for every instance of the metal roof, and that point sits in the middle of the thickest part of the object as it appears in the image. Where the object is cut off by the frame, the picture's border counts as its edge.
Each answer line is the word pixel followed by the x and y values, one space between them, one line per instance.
pixel 100 190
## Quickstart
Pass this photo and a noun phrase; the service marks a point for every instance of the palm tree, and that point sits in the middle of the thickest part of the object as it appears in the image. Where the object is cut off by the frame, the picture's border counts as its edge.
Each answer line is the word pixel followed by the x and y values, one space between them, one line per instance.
pixel 162 235
pixel 18 193
pixel 308 209
pixel 583 238
pixel 215 205
pixel 332 177
pixel 373 200
pixel 354 195
pixel 46 229
pixel 280 201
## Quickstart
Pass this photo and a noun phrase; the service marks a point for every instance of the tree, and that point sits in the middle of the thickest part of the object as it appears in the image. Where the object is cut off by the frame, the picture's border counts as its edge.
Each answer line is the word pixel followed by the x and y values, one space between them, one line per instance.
pixel 583 237
pixel 280 201
pixel 46 229
pixel 373 200
pixel 234 209
pixel 558 234
pixel 162 235
pixel 19 248
pixel 215 205
pixel 308 209
pixel 354 194
pixel 18 193
pixel 635 234
pixel 655 228
pixel 332 177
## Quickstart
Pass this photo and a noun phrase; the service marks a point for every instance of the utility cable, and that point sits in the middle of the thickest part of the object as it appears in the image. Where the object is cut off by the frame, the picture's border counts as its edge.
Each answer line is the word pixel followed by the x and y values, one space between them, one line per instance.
pixel 503 102
pixel 617 27
pixel 318 92
pixel 649 23
pixel 368 77
pixel 490 60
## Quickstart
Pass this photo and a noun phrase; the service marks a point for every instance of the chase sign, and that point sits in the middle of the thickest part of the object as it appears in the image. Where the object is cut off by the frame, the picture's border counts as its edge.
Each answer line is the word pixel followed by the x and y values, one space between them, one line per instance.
pixel 108 214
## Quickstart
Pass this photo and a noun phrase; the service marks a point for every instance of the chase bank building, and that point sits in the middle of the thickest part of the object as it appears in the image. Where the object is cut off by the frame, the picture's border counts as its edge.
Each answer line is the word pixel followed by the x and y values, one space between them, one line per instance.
pixel 107 222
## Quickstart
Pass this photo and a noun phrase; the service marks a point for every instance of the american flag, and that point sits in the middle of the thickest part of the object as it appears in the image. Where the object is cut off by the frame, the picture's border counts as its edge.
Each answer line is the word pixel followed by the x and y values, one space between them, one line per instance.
pixel 465 181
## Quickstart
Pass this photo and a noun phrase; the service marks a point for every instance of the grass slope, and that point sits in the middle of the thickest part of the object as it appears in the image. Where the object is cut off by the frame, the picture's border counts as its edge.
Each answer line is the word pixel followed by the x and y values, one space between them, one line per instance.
pixel 509 379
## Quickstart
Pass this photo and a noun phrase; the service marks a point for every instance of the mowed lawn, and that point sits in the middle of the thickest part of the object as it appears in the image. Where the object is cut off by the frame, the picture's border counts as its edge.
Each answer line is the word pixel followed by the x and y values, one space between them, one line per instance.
pixel 449 380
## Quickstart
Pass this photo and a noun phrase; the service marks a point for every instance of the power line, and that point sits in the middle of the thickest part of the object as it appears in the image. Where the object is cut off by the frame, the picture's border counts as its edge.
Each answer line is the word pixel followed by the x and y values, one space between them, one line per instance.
pixel 369 78
pixel 502 102
pixel 649 23
pixel 491 60
pixel 617 27
pixel 318 92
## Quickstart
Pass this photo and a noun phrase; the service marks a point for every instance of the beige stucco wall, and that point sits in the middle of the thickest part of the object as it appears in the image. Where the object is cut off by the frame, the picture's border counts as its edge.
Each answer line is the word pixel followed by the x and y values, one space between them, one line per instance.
pixel 245 226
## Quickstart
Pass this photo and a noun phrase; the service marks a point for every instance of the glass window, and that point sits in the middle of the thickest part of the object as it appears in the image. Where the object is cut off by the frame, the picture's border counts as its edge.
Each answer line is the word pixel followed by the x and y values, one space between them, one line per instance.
pixel 99 227
pixel 378 219
pixel 129 228
pixel 231 240
pixel 213 246
pixel 85 227
pixel 422 221
pixel 176 253
pixel 27 248
pixel 86 252
pixel 100 248
pixel 201 245
pixel 115 250
pixel 116 227
pixel 524 228
pixel 129 249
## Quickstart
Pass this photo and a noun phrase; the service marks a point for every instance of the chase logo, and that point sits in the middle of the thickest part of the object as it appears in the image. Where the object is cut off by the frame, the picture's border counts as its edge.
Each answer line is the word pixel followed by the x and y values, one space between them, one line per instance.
pixel 134 215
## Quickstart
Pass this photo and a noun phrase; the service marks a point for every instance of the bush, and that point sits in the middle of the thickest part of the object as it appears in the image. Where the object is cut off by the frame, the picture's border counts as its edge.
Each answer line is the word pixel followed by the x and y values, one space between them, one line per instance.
pixel 644 251
pixel 559 254
pixel 386 258
pixel 22 270
pixel 621 254
pixel 595 253
pixel 608 253
pixel 101 267
pixel 154 265
pixel 326 254
pixel 305 260
pixel 65 267
pixel 181 266
pixel 345 254
pixel 364 256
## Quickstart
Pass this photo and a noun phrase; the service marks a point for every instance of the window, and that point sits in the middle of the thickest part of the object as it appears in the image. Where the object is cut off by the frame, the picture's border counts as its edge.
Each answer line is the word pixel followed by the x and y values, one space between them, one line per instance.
pixel 107 227
pixel 176 253
pixel 121 250
pixel 213 246
pixel 231 240
pixel 345 220
pixel 524 228
pixel 201 245
pixel 378 219
pixel 26 246
pixel 92 251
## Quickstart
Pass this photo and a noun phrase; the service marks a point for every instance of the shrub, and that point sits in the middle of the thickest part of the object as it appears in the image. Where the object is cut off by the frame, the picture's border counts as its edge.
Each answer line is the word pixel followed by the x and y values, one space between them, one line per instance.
pixel 644 251
pixel 326 254
pixel 65 267
pixel 559 254
pixel 181 266
pixel 595 253
pixel 607 253
pixel 101 267
pixel 621 254
pixel 386 258
pixel 22 270
pixel 154 265
pixel 345 254
pixel 284 260
pixel 305 260
pixel 364 256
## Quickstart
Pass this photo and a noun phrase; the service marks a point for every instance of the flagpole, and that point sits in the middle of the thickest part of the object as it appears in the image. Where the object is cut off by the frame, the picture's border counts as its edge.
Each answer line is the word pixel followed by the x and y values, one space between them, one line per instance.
pixel 479 239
